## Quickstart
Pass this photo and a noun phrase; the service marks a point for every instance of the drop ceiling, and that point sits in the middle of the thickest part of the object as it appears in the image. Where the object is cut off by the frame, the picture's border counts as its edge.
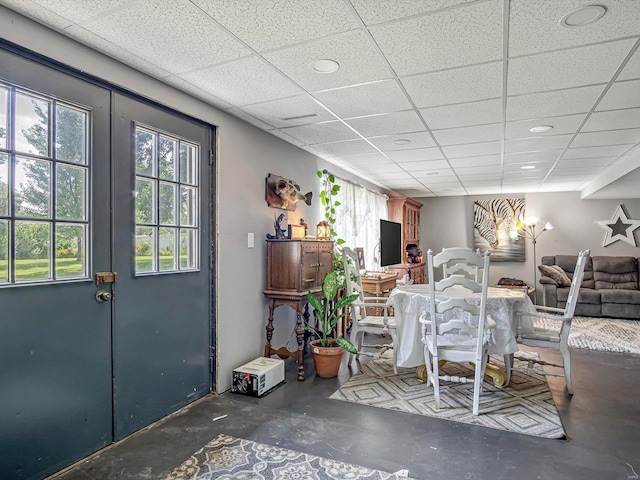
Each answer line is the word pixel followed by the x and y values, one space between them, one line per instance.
pixel 431 98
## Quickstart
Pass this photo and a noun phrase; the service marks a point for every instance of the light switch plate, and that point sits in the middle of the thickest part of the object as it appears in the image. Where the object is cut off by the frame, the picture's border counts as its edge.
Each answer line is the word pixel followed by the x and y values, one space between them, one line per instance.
pixel 250 240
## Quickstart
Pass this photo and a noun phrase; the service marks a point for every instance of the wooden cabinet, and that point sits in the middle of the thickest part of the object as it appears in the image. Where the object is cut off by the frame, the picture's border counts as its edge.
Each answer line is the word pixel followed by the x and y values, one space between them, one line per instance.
pixel 298 265
pixel 414 270
pixel 406 211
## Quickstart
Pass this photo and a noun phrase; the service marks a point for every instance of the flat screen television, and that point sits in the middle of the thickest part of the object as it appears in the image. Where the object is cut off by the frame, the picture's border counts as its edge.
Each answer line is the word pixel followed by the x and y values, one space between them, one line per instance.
pixel 390 243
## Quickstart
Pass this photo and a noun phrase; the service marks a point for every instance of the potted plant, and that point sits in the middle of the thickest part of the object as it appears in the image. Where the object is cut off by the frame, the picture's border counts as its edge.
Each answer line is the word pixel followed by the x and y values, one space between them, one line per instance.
pixel 327 351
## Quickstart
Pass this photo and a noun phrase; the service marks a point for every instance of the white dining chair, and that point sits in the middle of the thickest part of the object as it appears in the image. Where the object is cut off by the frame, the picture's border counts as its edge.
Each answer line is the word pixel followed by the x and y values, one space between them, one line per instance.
pixel 362 321
pixel 454 328
pixel 556 338
pixel 457 263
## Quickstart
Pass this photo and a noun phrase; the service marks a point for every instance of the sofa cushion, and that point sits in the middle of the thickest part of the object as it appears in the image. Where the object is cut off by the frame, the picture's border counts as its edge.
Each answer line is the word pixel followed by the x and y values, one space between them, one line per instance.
pixel 615 272
pixel 568 264
pixel 618 295
pixel 555 273
pixel 586 295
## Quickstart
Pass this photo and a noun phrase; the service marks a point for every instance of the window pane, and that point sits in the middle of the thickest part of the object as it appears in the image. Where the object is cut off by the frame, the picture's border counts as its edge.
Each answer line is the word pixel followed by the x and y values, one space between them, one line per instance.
pixel 71 191
pixel 188 206
pixel 4 251
pixel 4 184
pixel 33 251
pixel 188 163
pixel 145 152
pixel 145 201
pixel 33 188
pixel 167 162
pixel 71 241
pixel 188 248
pixel 167 247
pixel 32 125
pixel 4 108
pixel 145 249
pixel 168 203
pixel 71 132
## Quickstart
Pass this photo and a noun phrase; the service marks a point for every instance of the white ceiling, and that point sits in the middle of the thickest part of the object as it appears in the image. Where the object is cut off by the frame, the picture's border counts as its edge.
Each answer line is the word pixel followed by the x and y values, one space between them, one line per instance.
pixel 463 81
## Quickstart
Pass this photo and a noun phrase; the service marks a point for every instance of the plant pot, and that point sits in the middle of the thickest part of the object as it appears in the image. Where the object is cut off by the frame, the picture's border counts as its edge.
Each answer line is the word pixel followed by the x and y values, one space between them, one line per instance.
pixel 327 359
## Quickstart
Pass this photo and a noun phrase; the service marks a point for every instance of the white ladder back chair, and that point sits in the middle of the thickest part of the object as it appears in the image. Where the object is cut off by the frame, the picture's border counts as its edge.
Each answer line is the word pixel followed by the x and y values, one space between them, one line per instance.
pixel 557 338
pixel 454 328
pixel 361 321
pixel 460 255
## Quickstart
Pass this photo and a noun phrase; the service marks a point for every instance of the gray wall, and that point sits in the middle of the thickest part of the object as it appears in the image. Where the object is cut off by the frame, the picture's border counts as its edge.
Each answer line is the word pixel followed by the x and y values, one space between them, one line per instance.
pixel 448 222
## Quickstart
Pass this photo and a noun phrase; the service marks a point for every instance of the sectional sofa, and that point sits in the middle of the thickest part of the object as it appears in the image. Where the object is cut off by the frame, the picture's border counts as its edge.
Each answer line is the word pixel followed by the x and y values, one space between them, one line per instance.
pixel 609 288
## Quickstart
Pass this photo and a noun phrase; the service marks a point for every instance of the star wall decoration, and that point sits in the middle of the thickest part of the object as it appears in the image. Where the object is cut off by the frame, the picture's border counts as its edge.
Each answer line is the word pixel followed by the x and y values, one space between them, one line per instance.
pixel 620 227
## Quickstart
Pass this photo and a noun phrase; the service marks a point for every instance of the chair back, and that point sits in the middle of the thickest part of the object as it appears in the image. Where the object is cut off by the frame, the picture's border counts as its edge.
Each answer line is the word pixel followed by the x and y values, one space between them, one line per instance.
pixel 459 255
pixel 353 279
pixel 576 281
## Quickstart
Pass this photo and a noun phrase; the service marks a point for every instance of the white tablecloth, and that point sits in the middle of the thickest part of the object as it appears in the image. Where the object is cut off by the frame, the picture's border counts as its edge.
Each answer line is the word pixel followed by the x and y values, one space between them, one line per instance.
pixel 411 301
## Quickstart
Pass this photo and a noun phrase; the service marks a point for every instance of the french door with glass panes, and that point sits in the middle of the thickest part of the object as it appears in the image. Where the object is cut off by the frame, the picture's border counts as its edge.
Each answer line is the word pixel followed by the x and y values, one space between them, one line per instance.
pixel 104 266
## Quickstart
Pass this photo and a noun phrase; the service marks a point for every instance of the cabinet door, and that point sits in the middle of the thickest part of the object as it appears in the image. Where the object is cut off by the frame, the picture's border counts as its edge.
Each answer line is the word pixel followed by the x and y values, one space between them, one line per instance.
pixel 325 260
pixel 309 266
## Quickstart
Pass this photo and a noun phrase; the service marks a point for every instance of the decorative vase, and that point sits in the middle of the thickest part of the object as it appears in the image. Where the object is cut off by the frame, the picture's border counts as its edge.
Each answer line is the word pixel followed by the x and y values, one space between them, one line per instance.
pixel 327 359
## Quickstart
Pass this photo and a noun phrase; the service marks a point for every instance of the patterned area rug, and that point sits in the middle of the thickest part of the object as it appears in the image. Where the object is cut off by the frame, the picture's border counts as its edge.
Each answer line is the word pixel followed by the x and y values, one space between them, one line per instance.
pixel 609 335
pixel 227 457
pixel 525 406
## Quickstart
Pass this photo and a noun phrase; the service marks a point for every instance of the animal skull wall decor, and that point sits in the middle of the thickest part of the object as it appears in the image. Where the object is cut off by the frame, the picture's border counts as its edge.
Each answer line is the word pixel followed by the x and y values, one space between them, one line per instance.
pixel 284 193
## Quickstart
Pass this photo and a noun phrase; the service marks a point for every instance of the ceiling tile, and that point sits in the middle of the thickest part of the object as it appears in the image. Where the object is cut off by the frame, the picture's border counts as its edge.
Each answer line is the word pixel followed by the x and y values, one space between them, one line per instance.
pixel 438 177
pixel 591 152
pixel 463 114
pixel 535 25
pixel 567 68
pixel 349 147
pixel 459 85
pixel 359 62
pixel 472 149
pixel 416 140
pixel 486 177
pixel 551 104
pixel 259 82
pixel 532 157
pixel 621 95
pixel 321 132
pixel 478 133
pixel 383 169
pixel 367 99
pixel 285 137
pixel 416 167
pixel 564 124
pixel 446 39
pixel 480 190
pixel 193 42
pixel 478 169
pixel 632 68
pixel 379 11
pixel 33 10
pixel 540 168
pixel 575 165
pixel 613 120
pixel 416 155
pixel 269 24
pixel 287 112
pixel 71 10
pixel 475 161
pixel 399 122
pixel 365 158
pixel 387 176
pixel 536 143
pixel 612 137
pixel 197 92
pixel 236 112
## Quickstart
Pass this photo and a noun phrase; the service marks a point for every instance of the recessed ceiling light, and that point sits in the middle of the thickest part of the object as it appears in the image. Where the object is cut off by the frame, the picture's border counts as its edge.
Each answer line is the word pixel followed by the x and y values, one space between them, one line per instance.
pixel 433 173
pixel 325 66
pixel 583 16
pixel 402 141
pixel 528 167
pixel 541 128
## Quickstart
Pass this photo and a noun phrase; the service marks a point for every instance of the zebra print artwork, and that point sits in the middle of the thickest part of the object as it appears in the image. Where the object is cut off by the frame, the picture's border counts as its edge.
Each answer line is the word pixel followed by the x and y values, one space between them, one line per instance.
pixel 494 221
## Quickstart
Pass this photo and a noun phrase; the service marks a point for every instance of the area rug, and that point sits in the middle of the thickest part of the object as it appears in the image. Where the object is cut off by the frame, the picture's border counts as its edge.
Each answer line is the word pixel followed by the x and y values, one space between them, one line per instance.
pixel 525 406
pixel 227 457
pixel 606 334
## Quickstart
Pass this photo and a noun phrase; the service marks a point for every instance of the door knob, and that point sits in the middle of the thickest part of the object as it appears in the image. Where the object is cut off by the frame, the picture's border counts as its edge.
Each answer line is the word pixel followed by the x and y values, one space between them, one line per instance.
pixel 103 296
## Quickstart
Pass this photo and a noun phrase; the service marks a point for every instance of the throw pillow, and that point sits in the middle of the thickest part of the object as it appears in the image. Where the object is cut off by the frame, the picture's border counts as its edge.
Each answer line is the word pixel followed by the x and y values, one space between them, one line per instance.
pixel 555 273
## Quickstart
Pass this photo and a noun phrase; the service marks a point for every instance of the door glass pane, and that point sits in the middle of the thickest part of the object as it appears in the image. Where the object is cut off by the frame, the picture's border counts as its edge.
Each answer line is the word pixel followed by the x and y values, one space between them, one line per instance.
pixel 167 162
pixel 188 206
pixel 4 109
pixel 168 260
pixel 188 248
pixel 145 152
pixel 4 251
pixel 168 203
pixel 32 125
pixel 71 135
pixel 145 249
pixel 33 188
pixel 188 163
pixel 4 184
pixel 33 251
pixel 71 192
pixel 71 241
pixel 145 201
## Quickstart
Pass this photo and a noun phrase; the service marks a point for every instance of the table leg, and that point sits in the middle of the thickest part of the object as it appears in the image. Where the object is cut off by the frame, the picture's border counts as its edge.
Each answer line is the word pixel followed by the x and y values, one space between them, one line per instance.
pixel 267 347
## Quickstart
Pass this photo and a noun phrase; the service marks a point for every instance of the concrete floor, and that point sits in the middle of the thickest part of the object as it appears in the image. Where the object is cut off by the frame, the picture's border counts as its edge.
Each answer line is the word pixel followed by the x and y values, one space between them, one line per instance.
pixel 602 421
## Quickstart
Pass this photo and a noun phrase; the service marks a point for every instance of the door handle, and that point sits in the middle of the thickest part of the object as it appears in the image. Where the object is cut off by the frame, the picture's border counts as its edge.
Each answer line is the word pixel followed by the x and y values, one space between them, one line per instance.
pixel 103 296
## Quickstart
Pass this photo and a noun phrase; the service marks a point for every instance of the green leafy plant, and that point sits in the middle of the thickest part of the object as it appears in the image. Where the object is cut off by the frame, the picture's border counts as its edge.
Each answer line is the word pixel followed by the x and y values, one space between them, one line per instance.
pixel 330 190
pixel 328 311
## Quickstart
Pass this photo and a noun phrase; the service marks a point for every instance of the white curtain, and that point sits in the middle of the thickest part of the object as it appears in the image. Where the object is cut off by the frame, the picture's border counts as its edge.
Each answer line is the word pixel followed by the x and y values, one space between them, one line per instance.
pixel 358 219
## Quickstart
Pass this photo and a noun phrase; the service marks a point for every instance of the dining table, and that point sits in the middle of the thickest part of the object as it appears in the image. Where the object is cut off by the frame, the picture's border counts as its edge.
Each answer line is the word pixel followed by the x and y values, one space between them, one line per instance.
pixel 411 301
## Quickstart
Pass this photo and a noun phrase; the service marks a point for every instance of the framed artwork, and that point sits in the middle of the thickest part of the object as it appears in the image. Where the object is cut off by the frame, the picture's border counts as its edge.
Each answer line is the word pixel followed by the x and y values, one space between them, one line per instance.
pixel 494 228
pixel 359 251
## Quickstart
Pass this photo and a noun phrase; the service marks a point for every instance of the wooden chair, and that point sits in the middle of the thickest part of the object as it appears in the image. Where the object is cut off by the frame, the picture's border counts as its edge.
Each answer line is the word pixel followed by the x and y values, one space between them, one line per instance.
pixel 454 329
pixel 361 320
pixel 553 338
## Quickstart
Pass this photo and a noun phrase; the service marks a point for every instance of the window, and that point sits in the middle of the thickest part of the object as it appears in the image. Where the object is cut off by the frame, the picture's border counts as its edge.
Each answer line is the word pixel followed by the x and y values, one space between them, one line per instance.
pixel 167 208
pixel 44 188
